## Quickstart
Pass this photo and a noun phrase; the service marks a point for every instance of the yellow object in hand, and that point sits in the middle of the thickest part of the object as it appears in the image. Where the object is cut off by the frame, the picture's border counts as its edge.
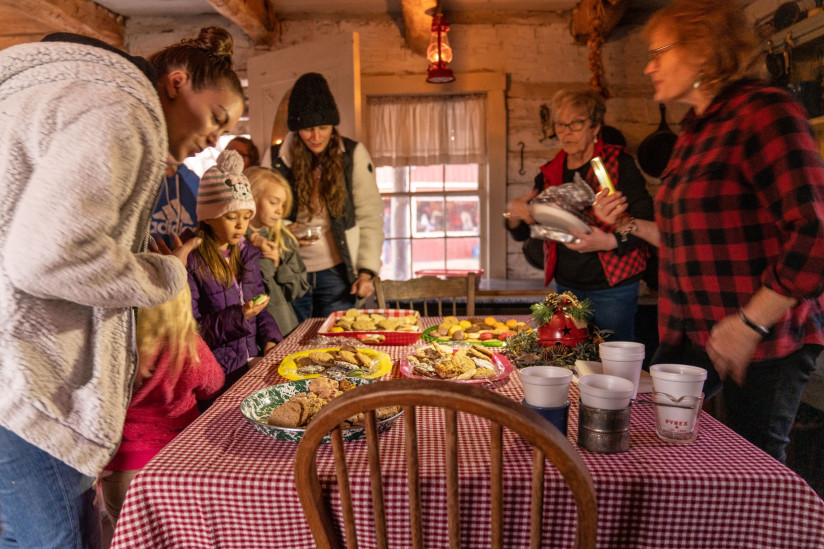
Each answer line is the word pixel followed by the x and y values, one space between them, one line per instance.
pixel 601 173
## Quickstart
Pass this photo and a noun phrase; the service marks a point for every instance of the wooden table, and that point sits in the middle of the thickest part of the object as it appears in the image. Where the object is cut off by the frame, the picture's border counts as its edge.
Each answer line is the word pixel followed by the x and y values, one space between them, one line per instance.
pixel 223 484
pixel 509 287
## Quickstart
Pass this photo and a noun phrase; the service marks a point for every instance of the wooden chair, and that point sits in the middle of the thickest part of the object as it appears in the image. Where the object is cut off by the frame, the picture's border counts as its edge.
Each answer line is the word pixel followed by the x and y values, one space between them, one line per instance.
pixel 397 293
pixel 546 440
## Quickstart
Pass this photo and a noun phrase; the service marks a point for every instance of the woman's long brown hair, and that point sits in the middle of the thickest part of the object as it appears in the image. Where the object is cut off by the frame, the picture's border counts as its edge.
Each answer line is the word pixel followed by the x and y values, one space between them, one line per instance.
pixel 332 187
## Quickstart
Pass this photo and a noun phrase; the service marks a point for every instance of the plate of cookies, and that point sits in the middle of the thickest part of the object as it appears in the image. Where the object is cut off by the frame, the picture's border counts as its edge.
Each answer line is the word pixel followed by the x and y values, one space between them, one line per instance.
pixel 336 362
pixel 375 326
pixel 489 331
pixel 283 411
pixel 473 364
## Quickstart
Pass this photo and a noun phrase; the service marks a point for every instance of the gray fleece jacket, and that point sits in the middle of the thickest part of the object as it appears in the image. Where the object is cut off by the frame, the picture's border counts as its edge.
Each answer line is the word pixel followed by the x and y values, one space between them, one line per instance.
pixel 82 152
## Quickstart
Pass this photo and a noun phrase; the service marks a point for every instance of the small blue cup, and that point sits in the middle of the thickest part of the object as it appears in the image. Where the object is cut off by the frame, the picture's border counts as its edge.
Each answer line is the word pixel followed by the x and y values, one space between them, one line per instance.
pixel 557 416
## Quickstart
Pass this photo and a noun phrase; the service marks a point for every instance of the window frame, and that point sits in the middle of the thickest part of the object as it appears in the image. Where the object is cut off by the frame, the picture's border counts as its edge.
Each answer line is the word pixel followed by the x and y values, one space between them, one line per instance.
pixel 445 235
pixel 493 194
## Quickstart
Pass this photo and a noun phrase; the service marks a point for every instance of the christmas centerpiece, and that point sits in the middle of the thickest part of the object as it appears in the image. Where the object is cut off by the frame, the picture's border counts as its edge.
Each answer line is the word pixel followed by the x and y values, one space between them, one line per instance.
pixel 562 334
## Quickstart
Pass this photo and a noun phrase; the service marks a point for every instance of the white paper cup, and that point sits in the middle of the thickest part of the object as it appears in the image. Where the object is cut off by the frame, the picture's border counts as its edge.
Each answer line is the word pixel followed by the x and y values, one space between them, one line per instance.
pixel 545 386
pixel 621 350
pixel 605 392
pixel 678 380
pixel 623 359
pixel 627 369
pixel 673 424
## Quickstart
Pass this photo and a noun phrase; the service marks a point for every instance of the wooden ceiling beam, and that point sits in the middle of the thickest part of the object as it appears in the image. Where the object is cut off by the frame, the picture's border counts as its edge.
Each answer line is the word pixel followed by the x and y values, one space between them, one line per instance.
pixel 80 16
pixel 417 24
pixel 256 18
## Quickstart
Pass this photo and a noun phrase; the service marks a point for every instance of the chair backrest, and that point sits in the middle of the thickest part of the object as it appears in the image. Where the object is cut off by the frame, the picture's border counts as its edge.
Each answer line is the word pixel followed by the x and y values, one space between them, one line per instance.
pixel 402 293
pixel 547 442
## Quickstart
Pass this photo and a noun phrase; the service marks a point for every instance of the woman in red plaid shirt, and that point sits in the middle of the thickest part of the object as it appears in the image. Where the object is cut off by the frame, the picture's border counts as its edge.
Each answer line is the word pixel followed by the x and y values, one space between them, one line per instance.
pixel 738 222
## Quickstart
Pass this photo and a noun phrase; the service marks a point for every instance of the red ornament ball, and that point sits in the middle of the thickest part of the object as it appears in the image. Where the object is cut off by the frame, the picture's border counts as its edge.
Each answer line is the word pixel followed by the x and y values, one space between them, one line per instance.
pixel 562 329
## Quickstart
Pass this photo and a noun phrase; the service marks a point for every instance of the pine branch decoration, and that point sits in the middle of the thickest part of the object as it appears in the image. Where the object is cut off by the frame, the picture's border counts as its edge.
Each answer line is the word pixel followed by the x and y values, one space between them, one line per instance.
pixel 579 311
pixel 524 350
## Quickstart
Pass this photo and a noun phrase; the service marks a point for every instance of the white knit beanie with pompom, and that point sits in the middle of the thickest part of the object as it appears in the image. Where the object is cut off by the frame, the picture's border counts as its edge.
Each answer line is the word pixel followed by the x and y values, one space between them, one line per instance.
pixel 224 188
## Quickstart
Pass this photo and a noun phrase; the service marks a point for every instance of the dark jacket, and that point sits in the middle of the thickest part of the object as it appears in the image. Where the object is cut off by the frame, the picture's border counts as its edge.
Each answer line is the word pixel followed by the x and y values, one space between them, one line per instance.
pixel 232 337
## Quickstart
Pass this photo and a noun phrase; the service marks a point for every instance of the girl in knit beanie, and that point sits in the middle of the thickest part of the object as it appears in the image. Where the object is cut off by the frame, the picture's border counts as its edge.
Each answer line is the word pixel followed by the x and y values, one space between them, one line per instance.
pixel 228 295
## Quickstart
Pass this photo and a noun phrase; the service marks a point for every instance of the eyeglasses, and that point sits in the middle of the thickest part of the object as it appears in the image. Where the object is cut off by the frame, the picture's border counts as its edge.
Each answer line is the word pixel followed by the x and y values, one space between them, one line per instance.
pixel 652 55
pixel 575 125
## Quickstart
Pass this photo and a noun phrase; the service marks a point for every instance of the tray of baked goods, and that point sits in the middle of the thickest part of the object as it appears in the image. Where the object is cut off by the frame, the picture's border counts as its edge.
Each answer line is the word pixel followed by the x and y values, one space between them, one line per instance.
pixel 489 331
pixel 375 326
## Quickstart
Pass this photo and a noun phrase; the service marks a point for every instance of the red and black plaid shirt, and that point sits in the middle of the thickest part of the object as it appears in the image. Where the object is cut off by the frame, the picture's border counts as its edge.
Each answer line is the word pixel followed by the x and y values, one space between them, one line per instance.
pixel 741 206
pixel 626 260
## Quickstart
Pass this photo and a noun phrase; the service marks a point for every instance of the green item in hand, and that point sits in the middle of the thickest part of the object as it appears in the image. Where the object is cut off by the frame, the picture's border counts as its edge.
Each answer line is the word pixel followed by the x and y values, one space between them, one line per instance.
pixel 259 299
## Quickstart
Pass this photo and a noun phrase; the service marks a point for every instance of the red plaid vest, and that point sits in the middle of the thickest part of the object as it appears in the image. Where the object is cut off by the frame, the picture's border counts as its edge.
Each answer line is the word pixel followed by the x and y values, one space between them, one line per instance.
pixel 616 267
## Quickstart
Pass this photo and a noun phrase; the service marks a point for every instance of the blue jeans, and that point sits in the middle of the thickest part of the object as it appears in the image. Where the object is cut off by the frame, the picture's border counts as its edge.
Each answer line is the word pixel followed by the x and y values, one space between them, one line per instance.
pixel 44 503
pixel 763 409
pixel 328 292
pixel 614 308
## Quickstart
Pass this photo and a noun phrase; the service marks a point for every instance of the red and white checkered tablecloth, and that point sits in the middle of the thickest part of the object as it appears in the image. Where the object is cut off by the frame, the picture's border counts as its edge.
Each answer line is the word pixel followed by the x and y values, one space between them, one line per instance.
pixel 223 484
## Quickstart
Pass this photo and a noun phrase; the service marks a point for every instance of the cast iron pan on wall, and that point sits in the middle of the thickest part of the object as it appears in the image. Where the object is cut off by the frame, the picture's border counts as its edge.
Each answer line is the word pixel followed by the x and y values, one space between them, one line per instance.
pixel 787 14
pixel 656 148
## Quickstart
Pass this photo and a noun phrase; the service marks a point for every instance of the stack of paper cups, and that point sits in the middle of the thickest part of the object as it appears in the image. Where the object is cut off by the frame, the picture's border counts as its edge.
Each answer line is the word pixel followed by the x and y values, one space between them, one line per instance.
pixel 623 359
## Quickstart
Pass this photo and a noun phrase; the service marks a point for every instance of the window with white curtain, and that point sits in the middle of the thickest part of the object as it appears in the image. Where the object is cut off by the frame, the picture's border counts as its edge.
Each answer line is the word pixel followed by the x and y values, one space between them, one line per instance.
pixel 430 155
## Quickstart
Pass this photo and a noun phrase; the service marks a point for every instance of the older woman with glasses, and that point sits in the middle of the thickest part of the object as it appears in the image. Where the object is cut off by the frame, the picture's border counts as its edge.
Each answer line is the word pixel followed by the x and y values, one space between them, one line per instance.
pixel 738 221
pixel 604 266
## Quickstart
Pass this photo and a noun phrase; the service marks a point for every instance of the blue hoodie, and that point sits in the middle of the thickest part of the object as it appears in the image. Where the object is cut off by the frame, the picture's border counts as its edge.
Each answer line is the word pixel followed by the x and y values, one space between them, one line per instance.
pixel 176 206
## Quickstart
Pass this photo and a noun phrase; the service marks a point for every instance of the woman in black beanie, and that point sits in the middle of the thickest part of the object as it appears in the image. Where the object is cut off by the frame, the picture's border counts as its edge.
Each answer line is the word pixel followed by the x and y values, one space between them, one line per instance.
pixel 335 188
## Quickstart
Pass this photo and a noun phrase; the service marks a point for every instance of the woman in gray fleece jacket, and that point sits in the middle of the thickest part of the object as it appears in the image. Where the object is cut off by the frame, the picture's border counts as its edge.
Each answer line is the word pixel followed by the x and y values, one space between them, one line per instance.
pixel 85 133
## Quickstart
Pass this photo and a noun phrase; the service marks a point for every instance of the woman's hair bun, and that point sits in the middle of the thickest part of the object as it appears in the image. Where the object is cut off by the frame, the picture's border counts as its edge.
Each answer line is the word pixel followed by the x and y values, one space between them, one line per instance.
pixel 215 40
pixel 207 59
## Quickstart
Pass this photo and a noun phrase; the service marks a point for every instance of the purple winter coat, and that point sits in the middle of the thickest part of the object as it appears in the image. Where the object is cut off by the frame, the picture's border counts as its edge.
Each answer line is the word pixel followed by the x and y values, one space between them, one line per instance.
pixel 232 337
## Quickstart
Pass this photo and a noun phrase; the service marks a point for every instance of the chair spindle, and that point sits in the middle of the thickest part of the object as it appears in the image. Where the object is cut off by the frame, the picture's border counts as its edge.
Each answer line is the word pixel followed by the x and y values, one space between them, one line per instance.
pixel 414 482
pixel 375 479
pixel 452 497
pixel 343 485
pixel 537 505
pixel 496 460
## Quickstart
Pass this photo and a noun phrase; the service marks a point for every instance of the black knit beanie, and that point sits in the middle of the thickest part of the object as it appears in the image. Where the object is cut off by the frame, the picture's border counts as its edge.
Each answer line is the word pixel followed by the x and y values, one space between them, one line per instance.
pixel 311 104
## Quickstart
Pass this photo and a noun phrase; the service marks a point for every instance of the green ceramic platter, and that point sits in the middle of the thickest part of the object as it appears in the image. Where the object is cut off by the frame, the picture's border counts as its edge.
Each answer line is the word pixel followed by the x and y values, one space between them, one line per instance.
pixel 257 407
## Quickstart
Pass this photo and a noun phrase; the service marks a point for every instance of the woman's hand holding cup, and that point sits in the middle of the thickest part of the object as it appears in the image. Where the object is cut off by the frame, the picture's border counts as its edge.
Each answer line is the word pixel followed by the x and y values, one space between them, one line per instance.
pixel 305 234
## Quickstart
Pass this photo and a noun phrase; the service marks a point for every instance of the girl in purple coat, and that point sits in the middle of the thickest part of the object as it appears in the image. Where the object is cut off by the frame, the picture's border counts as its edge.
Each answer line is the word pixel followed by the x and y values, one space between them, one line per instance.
pixel 223 272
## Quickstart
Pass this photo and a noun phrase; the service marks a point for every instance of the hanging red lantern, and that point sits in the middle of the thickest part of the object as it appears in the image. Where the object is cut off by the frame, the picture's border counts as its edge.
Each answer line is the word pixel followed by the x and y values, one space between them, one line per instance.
pixel 439 52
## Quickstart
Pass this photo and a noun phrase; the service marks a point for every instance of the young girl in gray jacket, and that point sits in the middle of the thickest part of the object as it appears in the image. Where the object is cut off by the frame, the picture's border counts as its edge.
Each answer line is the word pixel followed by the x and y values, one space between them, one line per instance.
pixel 283 271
